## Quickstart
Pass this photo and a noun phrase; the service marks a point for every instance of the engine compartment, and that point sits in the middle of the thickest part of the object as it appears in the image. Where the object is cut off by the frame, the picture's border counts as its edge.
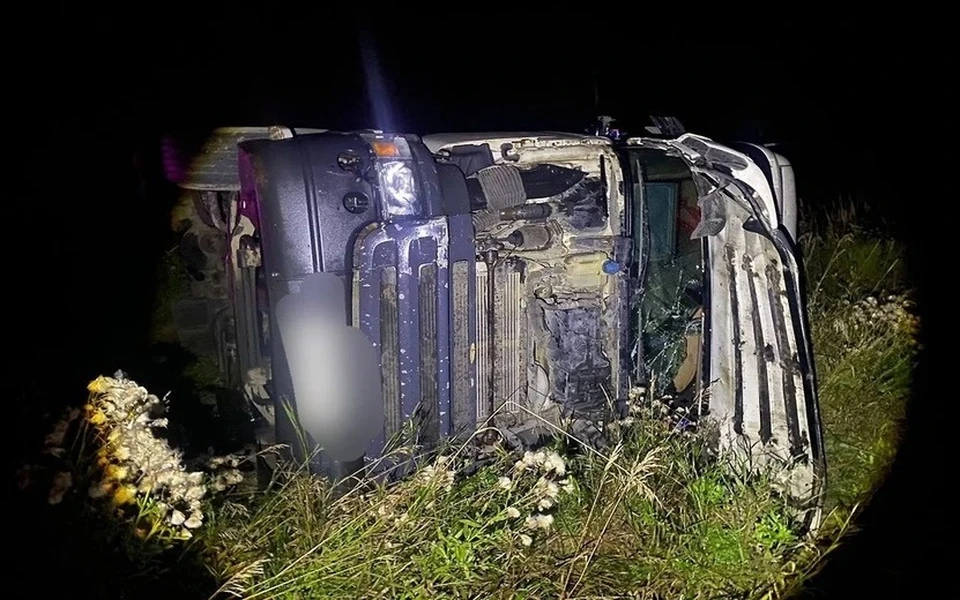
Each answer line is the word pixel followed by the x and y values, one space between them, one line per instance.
pixel 550 281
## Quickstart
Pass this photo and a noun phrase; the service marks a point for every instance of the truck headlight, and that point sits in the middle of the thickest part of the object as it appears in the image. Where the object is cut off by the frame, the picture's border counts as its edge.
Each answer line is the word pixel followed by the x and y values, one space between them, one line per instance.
pixel 397 175
pixel 399 189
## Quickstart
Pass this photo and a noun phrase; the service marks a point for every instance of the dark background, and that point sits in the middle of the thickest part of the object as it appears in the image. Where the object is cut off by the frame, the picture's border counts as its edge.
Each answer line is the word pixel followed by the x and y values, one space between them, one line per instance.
pixel 94 90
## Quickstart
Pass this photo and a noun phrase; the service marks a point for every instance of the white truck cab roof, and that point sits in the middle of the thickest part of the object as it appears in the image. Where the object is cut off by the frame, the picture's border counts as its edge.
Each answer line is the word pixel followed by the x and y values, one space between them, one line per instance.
pixel 440 141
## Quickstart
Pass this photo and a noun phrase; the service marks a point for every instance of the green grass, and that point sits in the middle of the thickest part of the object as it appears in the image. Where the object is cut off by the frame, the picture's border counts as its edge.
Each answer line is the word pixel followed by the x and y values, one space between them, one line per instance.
pixel 655 515
pixel 652 516
pixel 864 342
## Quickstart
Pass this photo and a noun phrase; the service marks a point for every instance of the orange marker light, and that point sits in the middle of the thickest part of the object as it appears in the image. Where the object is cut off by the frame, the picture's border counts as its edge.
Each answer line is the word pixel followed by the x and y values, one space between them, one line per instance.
pixel 386 149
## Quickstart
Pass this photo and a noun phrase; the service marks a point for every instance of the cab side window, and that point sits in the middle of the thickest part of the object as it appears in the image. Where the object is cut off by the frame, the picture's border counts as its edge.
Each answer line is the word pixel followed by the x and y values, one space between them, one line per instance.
pixel 671 308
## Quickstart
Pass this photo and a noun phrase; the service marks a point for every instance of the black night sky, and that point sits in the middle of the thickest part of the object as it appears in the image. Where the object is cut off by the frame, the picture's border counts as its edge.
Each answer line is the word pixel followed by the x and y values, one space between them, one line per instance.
pixel 97 88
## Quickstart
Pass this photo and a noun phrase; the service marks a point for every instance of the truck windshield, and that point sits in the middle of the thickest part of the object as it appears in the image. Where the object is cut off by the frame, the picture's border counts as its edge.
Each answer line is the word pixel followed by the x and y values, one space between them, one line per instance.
pixel 670 309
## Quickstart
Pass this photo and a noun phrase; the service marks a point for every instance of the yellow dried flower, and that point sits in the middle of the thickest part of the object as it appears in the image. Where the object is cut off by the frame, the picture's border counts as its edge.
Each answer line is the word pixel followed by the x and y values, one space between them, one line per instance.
pixel 125 495
pixel 98 418
pixel 115 472
pixel 98 385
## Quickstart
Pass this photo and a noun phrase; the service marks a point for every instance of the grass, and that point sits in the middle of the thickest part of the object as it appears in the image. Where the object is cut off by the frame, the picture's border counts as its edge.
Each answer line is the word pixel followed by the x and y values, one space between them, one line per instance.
pixel 864 340
pixel 654 515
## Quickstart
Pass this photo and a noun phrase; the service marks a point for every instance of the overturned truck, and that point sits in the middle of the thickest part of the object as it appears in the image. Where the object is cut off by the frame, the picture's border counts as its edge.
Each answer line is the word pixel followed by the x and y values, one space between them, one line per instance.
pixel 354 282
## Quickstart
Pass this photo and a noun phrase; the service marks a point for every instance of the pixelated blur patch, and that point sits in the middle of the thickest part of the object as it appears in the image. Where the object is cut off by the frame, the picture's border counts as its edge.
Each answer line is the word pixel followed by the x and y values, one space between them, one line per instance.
pixel 334 367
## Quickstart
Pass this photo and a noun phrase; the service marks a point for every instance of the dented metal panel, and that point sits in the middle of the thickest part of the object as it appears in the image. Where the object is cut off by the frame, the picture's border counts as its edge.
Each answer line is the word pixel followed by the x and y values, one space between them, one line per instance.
pixel 759 394
pixel 726 162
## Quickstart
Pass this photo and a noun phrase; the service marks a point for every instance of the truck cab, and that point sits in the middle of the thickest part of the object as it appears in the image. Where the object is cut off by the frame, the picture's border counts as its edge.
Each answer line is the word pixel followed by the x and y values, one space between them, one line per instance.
pixel 521 280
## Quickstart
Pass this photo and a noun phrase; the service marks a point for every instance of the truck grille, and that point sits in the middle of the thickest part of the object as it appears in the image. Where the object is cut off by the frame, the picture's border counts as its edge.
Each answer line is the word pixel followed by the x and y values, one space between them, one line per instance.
pixel 500 338
pixel 484 345
pixel 415 298
pixel 390 351
pixel 463 375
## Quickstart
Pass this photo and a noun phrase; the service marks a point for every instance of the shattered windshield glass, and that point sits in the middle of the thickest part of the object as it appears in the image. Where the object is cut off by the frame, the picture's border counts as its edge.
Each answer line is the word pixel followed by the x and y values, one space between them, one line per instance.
pixel 671 304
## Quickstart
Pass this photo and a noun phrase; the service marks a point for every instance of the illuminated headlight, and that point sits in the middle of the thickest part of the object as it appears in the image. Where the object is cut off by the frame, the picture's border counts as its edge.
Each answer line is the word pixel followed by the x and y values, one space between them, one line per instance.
pixel 398 186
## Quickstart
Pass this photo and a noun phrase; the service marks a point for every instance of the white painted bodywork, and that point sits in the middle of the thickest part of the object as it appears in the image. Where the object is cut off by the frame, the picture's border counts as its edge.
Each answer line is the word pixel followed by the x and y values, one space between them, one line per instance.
pixel 750 285
pixel 754 281
pixel 784 187
pixel 752 175
pixel 440 141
